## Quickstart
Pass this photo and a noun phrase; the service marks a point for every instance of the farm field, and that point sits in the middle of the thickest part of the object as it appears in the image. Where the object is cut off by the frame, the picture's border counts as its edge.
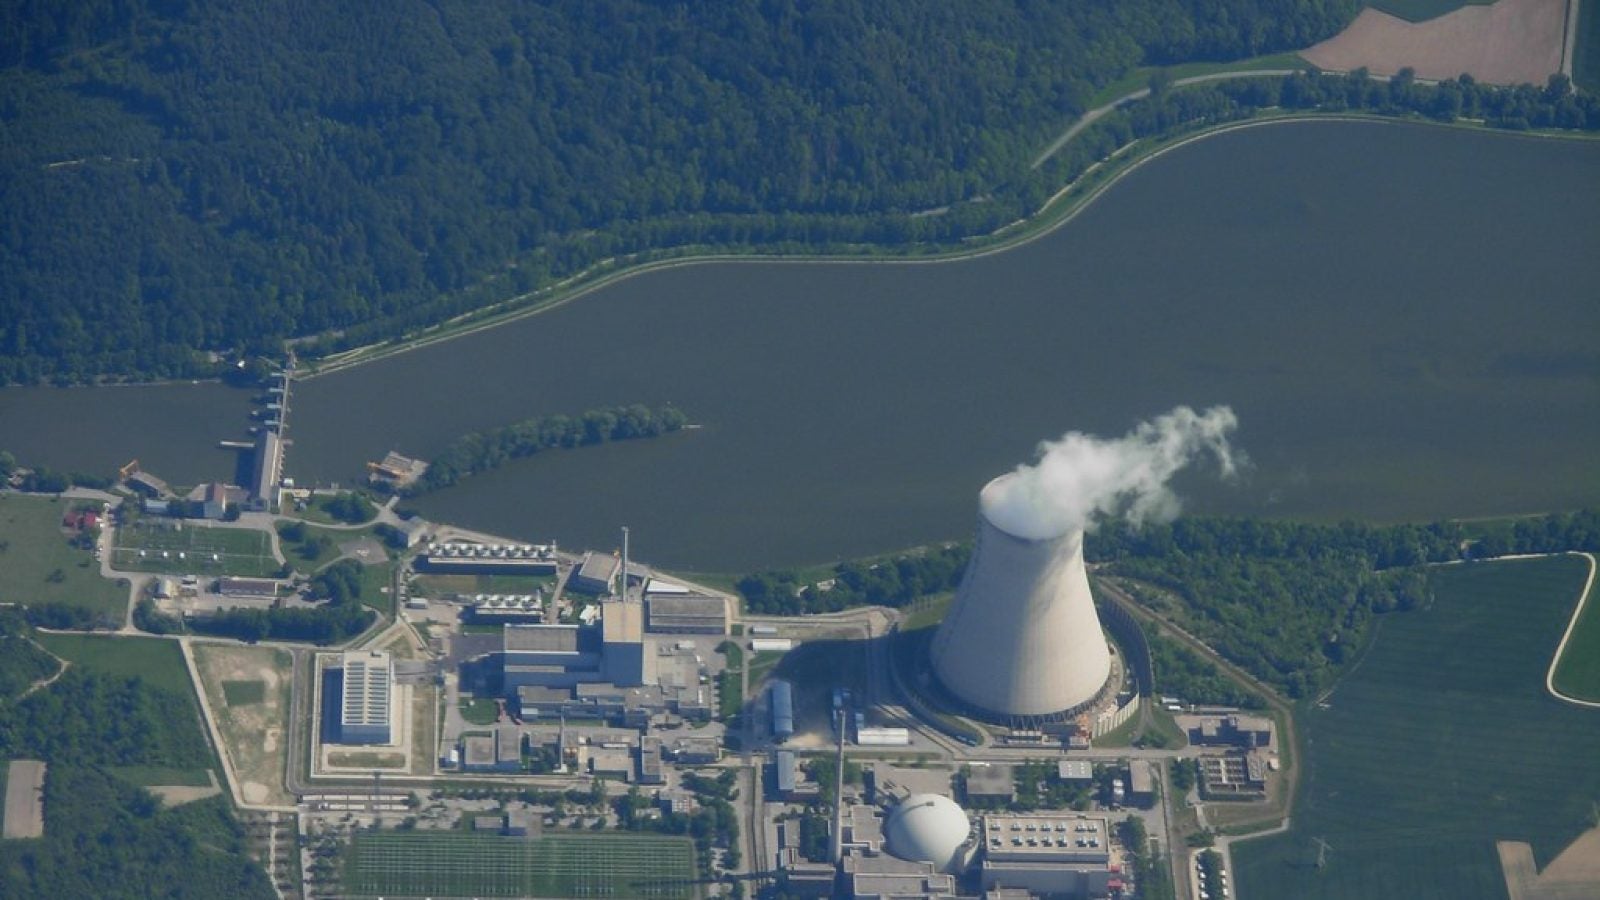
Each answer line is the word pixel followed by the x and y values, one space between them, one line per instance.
pixel 194 548
pixel 460 864
pixel 37 565
pixel 1443 741
pixel 247 689
pixel 1577 672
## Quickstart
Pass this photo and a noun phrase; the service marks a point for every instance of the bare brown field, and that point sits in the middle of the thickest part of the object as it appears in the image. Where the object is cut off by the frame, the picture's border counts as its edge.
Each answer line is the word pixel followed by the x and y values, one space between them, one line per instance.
pixel 1574 875
pixel 1508 42
pixel 24 810
pixel 252 735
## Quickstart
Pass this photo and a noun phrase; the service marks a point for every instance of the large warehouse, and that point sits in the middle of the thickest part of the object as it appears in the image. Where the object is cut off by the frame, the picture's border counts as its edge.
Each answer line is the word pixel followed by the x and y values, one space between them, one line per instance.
pixel 1047 854
pixel 367 698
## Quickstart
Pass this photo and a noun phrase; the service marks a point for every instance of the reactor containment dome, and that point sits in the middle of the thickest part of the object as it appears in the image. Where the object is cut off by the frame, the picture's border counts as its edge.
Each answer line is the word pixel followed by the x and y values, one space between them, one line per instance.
pixel 1022 640
pixel 928 828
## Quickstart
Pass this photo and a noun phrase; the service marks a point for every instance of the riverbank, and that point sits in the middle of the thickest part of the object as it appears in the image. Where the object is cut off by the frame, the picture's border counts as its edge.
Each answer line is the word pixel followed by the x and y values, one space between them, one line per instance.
pixel 1061 208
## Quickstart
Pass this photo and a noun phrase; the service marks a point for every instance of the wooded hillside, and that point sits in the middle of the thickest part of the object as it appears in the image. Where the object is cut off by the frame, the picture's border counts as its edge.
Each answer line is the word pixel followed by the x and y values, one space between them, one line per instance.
pixel 182 175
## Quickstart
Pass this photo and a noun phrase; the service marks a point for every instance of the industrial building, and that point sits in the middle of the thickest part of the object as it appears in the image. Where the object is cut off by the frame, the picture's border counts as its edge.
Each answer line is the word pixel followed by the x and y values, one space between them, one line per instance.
pixel 247 587
pixel 682 612
pixel 489 559
pixel 991 785
pixel 781 702
pixel 1247 732
pixel 625 661
pixel 550 655
pixel 930 828
pixel 1022 643
pixel 366 697
pixel 1059 855
pixel 268 470
pixel 597 574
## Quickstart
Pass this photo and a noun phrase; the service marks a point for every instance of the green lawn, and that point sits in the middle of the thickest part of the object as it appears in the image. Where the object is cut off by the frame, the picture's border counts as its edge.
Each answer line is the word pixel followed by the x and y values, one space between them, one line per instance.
pixel 244 693
pixel 157 661
pixel 376 582
pixel 463 864
pixel 37 565
pixel 1441 742
pixel 145 546
pixel 1422 10
pixel 1578 671
pixel 479 711
pixel 1586 52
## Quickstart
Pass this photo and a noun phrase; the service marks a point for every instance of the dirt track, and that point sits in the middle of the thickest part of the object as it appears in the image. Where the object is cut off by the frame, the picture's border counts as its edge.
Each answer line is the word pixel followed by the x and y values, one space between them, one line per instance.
pixel 1508 42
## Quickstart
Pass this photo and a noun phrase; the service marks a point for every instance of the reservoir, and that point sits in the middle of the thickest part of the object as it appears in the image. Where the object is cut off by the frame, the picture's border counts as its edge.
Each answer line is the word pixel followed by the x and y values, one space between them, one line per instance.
pixel 1404 318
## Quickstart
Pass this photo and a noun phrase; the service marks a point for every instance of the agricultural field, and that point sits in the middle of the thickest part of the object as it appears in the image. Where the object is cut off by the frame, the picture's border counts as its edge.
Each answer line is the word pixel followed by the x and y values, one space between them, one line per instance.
pixel 247 689
pixel 462 864
pixel 1577 672
pixel 1443 741
pixel 38 565
pixel 193 548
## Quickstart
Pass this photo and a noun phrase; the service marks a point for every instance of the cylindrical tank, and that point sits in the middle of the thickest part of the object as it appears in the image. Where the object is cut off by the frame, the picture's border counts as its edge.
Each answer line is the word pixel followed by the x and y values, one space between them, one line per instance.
pixel 1022 638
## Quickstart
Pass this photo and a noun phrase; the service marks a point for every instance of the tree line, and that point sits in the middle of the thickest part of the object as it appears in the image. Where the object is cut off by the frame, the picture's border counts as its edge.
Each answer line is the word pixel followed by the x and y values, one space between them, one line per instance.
pixel 360 171
pixel 481 451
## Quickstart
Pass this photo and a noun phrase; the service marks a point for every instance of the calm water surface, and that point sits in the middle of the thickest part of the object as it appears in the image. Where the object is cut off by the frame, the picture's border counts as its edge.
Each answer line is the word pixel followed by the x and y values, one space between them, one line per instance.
pixel 1403 317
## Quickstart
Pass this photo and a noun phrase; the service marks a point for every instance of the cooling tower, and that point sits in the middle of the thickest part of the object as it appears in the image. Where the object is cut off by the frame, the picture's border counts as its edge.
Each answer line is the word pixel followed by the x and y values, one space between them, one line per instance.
pixel 1022 639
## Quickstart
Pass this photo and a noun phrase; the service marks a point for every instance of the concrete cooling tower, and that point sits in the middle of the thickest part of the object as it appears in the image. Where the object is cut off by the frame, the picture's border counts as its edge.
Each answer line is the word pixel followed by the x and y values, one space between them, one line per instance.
pixel 1022 639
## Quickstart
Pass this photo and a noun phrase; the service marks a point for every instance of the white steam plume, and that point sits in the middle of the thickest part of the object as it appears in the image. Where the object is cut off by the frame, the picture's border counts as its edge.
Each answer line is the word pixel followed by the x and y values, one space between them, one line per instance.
pixel 1082 476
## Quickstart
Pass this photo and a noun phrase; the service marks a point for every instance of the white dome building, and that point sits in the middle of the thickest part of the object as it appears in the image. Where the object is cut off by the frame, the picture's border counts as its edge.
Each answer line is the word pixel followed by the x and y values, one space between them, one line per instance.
pixel 928 828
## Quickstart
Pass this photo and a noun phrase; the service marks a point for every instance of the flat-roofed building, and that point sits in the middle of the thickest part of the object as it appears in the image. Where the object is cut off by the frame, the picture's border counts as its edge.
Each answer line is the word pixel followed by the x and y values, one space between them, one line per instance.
pixel 477 752
pixel 1141 784
pixel 1066 855
pixel 549 655
pixel 686 614
pixel 901 886
pixel 1248 732
pixel 268 470
pixel 1075 770
pixel 991 785
pixel 626 660
pixel 366 700
pixel 597 574
pixel 247 587
pixel 785 773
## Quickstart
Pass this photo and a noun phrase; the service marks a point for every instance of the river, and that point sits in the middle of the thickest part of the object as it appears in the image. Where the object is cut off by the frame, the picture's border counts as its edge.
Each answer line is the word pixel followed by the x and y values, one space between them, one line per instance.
pixel 1404 318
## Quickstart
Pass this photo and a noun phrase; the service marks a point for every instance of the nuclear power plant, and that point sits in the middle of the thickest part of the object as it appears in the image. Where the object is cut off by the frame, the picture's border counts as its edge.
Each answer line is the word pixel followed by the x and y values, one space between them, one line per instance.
pixel 1022 641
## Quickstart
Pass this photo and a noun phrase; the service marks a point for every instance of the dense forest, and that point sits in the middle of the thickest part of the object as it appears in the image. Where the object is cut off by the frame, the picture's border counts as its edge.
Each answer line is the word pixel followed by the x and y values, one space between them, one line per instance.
pixel 104 837
pixel 480 452
pixel 182 176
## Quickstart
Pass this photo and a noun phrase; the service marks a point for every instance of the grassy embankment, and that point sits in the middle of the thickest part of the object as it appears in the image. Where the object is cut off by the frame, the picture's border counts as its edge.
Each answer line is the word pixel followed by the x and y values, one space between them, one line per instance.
pixel 1442 742
pixel 38 565
pixel 1577 672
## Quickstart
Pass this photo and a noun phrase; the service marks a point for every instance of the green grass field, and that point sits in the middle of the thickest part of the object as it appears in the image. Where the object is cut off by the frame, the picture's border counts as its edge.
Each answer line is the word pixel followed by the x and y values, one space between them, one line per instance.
pixel 37 565
pixel 462 864
pixel 198 549
pixel 1441 742
pixel 157 661
pixel 1586 52
pixel 244 693
pixel 1577 673
pixel 376 580
pixel 1422 10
